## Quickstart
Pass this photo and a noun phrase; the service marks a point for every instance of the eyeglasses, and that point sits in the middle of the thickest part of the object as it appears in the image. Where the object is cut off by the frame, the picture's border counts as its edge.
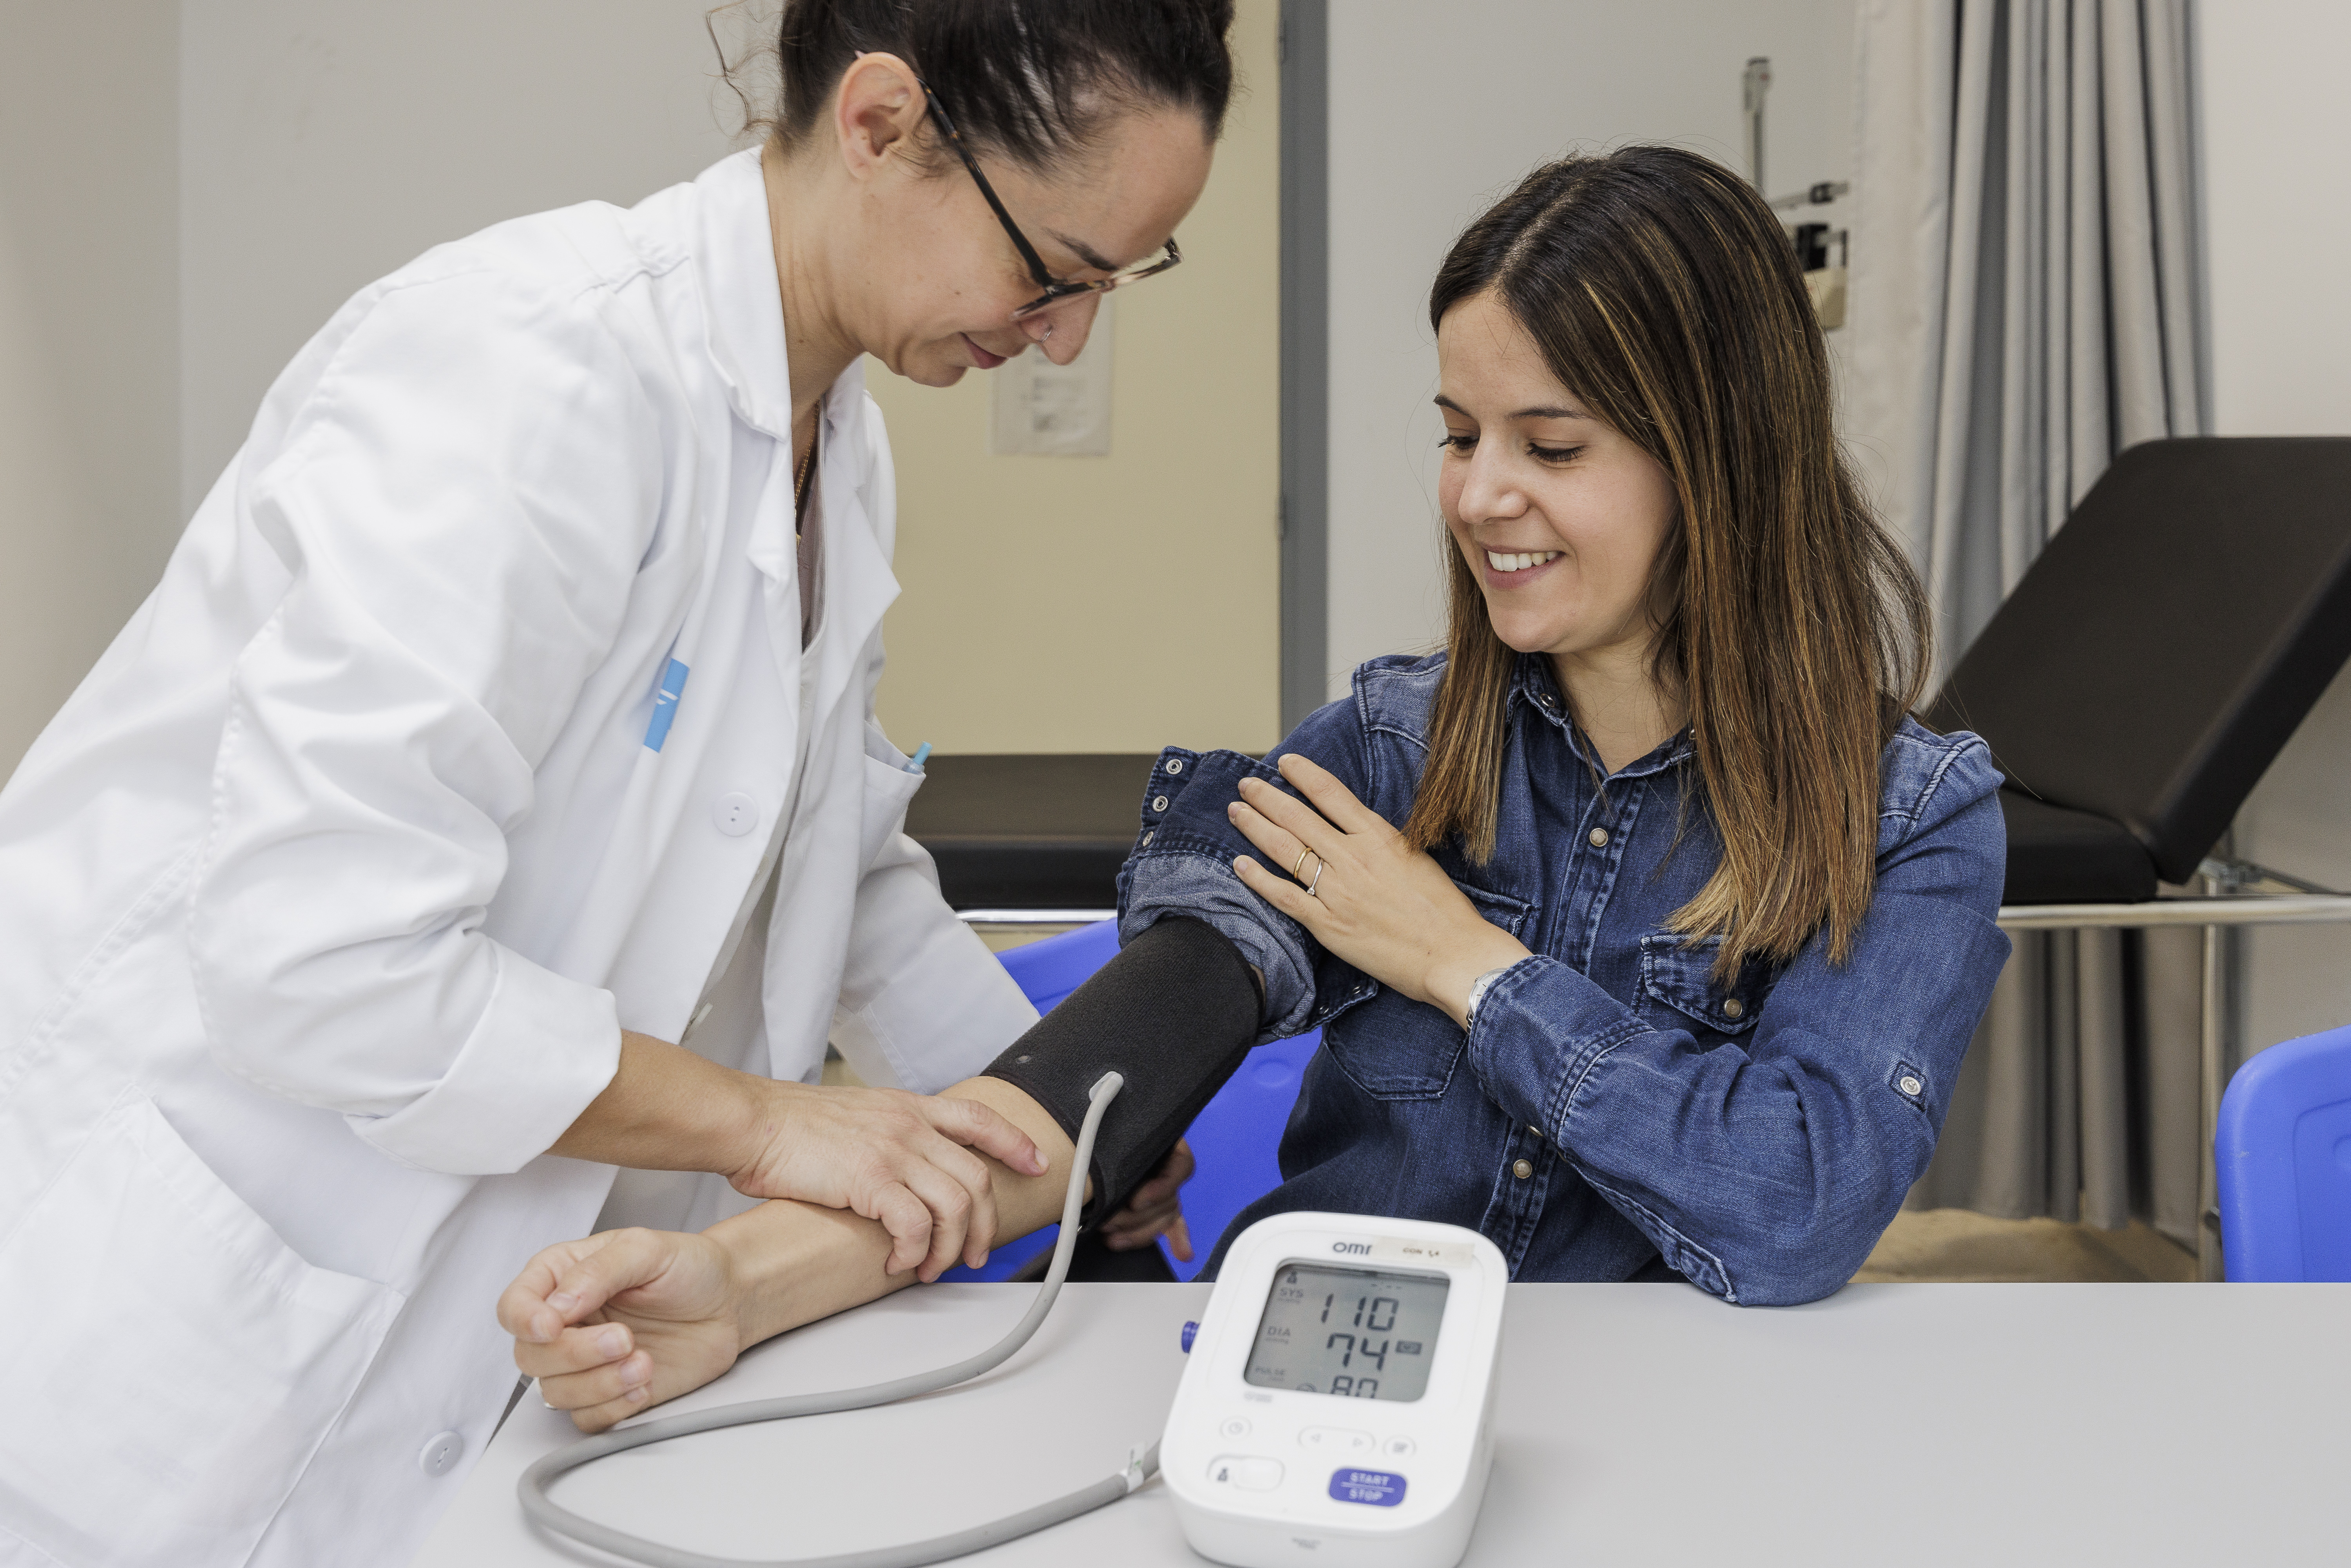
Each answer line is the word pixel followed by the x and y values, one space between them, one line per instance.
pixel 1056 289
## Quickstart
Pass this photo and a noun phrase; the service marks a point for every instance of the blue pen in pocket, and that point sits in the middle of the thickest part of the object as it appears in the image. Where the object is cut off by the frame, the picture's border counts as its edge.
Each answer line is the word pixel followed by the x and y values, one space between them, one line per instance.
pixel 922 755
pixel 673 687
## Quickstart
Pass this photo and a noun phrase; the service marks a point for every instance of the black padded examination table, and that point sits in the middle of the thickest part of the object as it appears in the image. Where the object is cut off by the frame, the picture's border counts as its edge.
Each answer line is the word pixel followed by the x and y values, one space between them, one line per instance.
pixel 1030 832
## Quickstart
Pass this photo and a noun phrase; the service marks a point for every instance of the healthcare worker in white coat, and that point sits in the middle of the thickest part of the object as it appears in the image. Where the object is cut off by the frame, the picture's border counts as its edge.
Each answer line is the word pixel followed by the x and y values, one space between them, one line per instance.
pixel 503 718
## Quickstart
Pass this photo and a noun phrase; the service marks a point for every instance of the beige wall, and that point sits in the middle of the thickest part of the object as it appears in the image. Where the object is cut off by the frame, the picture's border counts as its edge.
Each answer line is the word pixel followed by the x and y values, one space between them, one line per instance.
pixel 88 408
pixel 1125 602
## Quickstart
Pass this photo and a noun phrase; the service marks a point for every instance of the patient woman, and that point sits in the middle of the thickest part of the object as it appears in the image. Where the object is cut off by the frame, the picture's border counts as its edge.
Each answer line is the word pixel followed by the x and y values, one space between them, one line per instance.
pixel 1645 929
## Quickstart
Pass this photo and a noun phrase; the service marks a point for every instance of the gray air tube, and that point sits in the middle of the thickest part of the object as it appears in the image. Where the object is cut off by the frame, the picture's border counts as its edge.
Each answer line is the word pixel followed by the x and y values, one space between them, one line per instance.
pixel 1140 1467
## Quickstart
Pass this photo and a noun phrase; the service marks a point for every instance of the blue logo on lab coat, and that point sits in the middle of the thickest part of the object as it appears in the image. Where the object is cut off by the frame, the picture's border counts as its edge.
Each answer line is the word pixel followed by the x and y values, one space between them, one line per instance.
pixel 672 687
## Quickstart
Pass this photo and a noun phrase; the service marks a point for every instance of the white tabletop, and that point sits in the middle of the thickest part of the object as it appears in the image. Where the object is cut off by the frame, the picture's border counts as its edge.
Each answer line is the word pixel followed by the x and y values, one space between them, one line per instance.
pixel 1913 1424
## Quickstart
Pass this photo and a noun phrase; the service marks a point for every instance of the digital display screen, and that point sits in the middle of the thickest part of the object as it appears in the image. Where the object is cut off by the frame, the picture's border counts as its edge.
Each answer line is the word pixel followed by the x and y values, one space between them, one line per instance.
pixel 1361 1333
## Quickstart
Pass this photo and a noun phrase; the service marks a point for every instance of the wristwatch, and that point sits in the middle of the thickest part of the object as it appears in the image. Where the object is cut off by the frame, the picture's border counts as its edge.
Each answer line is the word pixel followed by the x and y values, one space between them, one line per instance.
pixel 1478 994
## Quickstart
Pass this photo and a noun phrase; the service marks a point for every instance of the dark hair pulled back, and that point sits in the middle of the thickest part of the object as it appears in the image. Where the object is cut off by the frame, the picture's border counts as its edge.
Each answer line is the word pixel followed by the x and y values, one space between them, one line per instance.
pixel 1032 80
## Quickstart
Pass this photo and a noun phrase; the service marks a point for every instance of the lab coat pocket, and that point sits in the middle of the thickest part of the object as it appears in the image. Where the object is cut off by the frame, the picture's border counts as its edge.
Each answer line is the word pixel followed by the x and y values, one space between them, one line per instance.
pixel 178 1364
pixel 889 785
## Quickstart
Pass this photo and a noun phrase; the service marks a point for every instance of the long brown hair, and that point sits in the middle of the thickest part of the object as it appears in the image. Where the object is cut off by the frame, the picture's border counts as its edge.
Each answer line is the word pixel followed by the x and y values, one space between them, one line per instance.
pixel 1661 289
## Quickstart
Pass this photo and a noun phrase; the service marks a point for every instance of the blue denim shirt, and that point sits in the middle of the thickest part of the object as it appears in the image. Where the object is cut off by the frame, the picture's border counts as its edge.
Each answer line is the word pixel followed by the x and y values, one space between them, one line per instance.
pixel 1612 1104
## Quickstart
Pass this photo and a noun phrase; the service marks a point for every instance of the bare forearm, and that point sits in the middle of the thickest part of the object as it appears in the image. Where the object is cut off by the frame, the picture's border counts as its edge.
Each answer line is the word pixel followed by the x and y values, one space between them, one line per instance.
pixel 795 1262
pixel 667 1109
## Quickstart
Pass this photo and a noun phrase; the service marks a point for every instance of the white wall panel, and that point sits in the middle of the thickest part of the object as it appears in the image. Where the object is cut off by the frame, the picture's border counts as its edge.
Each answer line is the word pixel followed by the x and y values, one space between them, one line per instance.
pixel 88 396
pixel 325 142
pixel 2277 138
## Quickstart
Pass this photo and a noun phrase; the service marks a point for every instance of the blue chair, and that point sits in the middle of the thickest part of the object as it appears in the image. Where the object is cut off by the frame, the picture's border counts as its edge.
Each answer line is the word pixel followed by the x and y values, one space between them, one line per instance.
pixel 1234 1137
pixel 2283 1153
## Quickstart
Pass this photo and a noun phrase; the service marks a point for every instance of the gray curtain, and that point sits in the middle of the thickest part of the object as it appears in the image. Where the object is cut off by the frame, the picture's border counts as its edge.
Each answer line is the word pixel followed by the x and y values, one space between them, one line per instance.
pixel 2024 307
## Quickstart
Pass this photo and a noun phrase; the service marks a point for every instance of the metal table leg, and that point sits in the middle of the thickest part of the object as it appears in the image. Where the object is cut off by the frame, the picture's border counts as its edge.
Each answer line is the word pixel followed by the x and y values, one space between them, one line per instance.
pixel 2208 1264
pixel 2221 910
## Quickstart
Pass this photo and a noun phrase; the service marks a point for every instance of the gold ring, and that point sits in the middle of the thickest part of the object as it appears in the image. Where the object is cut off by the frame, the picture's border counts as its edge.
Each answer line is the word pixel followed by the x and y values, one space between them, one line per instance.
pixel 1321 865
pixel 1299 865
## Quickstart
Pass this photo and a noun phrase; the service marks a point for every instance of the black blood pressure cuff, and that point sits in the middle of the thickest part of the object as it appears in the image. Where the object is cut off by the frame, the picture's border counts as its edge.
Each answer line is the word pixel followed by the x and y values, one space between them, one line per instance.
pixel 1173 1014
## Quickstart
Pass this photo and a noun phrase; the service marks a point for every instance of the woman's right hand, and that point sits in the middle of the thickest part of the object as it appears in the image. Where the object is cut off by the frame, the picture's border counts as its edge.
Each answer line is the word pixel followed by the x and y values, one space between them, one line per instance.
pixel 624 1321
pixel 891 1156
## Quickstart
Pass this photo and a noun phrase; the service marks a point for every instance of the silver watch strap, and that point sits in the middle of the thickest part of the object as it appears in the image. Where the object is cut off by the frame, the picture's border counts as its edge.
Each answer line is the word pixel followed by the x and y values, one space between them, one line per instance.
pixel 1478 994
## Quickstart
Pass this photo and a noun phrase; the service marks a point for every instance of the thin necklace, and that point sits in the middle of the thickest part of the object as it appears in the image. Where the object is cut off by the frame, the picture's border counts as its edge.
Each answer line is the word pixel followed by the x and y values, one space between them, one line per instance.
pixel 800 481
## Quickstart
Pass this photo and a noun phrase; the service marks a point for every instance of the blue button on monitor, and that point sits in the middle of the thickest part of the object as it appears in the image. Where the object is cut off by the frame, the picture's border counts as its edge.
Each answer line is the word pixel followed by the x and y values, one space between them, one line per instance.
pixel 1379 1489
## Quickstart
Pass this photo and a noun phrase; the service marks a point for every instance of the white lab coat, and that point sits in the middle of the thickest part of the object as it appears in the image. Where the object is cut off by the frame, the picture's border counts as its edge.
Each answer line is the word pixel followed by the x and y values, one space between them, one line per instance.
pixel 324 901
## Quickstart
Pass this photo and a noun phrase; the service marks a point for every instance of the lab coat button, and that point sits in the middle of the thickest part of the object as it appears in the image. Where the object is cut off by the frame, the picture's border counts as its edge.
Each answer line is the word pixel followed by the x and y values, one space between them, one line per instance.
pixel 735 814
pixel 441 1454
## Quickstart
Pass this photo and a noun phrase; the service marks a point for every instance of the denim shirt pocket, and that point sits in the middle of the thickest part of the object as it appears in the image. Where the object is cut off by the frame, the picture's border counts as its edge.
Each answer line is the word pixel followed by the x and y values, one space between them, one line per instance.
pixel 1678 988
pixel 1389 1046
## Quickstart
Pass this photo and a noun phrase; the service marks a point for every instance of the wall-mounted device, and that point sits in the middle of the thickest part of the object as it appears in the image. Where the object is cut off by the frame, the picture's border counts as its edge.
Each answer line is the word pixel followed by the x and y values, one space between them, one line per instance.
pixel 1039 409
pixel 1823 282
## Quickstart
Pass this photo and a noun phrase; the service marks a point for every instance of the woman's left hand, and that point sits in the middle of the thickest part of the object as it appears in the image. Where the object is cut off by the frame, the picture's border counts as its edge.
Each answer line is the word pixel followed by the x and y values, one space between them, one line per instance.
pixel 1156 1209
pixel 1375 901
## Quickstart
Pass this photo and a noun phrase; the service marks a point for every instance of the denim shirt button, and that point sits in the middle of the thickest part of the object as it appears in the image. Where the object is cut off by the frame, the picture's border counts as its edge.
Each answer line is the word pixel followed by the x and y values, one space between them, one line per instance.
pixel 1599 837
pixel 1910 1086
pixel 1174 765
pixel 1149 834
pixel 1733 1008
pixel 1159 804
pixel 1523 1169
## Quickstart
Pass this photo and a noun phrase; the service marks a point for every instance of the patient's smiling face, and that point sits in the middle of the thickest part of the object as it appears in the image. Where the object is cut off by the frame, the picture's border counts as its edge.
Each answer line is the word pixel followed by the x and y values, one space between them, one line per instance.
pixel 1559 515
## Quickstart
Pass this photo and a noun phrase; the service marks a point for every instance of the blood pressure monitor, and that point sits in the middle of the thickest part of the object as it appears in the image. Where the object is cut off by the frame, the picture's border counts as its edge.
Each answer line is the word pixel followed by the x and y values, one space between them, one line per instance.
pixel 1338 1407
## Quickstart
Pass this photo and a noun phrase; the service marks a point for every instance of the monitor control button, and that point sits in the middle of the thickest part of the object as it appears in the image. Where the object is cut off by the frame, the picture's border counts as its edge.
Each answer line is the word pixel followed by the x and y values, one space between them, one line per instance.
pixel 1336 1440
pixel 1374 1489
pixel 1397 1447
pixel 1234 1426
pixel 1245 1473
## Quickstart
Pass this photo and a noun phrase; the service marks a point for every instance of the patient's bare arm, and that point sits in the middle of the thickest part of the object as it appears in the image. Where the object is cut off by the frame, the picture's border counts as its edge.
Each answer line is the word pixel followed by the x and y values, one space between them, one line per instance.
pixel 619 1322
pixel 631 1318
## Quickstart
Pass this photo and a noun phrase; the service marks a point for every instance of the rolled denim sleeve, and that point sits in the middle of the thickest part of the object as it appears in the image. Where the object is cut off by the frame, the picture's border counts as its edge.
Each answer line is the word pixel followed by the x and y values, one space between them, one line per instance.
pixel 1183 863
pixel 1764 1169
